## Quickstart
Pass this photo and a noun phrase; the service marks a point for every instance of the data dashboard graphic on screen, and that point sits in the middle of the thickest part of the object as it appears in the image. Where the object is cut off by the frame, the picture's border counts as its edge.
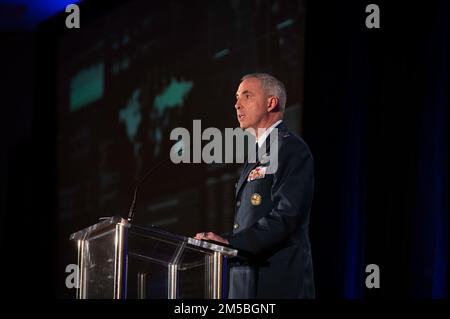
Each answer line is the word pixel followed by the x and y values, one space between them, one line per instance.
pixel 129 76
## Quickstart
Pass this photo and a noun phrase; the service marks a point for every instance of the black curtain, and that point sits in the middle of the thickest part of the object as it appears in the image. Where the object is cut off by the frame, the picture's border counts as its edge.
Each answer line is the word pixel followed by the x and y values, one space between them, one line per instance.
pixel 375 117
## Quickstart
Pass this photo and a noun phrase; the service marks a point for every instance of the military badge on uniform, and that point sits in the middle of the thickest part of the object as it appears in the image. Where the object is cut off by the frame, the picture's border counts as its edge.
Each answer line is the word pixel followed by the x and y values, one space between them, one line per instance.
pixel 255 199
pixel 257 173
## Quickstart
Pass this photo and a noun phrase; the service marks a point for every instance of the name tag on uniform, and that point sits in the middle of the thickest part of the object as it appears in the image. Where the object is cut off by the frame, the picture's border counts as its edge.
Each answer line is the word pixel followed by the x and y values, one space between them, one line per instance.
pixel 257 173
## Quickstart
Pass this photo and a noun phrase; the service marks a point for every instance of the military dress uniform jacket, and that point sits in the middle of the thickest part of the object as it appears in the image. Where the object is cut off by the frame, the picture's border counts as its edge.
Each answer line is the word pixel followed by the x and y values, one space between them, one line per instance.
pixel 271 225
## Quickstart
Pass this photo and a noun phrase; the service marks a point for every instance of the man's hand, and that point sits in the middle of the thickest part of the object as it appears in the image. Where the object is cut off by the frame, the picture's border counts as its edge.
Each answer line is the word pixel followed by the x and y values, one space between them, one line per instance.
pixel 211 236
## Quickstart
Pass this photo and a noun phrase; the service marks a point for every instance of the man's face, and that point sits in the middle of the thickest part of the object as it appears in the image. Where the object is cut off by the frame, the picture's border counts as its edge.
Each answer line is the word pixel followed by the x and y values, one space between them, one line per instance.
pixel 251 104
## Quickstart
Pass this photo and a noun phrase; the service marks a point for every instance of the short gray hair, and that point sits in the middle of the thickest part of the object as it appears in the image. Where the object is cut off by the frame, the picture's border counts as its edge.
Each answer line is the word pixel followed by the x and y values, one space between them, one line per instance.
pixel 271 86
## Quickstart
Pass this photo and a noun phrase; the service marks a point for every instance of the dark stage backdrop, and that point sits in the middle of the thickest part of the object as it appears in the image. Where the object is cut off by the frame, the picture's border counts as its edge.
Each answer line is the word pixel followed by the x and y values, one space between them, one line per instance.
pixel 376 118
pixel 138 70
pixel 371 104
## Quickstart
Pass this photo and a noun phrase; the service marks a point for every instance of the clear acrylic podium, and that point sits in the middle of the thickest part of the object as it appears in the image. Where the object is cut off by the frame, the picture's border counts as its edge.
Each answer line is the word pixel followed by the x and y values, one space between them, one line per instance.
pixel 119 260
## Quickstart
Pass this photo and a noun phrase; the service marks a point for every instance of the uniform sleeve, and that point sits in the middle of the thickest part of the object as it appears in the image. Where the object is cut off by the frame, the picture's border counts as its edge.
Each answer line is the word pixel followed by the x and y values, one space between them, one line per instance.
pixel 291 193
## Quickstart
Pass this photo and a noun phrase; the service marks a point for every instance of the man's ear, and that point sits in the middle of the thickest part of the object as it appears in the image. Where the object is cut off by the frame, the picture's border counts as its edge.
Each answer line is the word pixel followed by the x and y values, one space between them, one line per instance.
pixel 273 102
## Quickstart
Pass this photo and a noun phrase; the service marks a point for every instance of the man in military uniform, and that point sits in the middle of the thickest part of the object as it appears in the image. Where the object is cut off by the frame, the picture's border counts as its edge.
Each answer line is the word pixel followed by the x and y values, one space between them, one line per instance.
pixel 272 207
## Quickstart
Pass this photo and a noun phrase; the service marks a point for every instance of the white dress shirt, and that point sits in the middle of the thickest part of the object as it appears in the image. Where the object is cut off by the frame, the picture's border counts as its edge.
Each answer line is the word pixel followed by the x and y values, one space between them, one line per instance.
pixel 260 140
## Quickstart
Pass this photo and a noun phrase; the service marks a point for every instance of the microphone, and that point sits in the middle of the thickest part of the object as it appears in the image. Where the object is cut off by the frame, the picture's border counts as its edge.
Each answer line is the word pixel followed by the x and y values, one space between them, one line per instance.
pixel 179 148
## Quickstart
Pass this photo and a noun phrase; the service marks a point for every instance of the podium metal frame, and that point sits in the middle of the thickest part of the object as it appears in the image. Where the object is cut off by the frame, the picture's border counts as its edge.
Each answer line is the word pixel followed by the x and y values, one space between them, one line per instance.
pixel 104 251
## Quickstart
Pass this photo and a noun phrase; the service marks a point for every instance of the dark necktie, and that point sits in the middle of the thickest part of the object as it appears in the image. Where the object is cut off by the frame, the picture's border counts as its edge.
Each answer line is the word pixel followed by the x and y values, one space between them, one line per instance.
pixel 250 161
